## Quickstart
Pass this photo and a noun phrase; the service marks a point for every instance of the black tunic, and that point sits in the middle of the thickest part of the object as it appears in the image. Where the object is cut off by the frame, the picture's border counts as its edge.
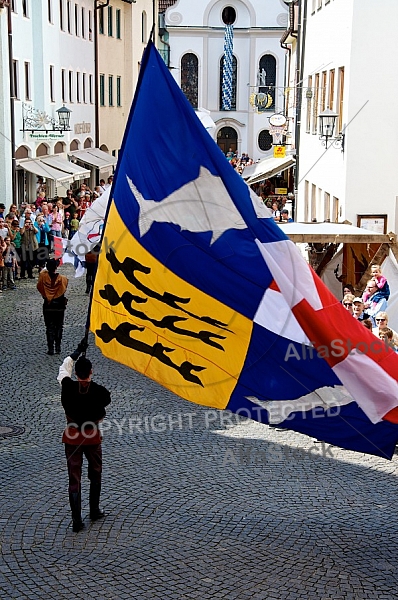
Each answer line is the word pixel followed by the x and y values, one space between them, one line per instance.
pixel 82 408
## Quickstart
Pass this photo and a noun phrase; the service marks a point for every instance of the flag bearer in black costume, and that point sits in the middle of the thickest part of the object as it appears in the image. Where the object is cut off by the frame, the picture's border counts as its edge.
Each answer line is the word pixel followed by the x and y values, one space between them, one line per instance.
pixel 84 402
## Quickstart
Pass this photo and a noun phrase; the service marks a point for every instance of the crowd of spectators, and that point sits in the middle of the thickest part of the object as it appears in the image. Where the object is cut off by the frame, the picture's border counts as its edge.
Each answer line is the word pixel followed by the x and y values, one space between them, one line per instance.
pixel 265 190
pixel 370 308
pixel 27 234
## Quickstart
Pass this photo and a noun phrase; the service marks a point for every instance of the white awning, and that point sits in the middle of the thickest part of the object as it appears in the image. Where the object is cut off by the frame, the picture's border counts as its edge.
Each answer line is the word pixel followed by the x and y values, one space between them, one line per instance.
pixel 94 157
pixel 61 164
pixel 38 167
pixel 268 167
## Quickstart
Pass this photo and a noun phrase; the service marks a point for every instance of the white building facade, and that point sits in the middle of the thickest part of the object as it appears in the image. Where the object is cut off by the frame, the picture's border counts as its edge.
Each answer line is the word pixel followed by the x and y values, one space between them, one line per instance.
pixel 349 50
pixel 196 36
pixel 53 67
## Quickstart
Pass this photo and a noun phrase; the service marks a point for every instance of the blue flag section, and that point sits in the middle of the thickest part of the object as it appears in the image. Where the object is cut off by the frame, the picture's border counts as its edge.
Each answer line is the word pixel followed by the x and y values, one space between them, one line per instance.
pixel 199 289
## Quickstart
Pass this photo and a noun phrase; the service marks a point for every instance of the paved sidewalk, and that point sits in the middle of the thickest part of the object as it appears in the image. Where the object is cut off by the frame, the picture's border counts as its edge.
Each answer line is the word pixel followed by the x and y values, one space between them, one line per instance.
pixel 197 507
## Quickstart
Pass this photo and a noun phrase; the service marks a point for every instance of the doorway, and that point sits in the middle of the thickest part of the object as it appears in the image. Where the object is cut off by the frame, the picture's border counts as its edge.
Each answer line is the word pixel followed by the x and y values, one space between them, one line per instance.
pixel 227 138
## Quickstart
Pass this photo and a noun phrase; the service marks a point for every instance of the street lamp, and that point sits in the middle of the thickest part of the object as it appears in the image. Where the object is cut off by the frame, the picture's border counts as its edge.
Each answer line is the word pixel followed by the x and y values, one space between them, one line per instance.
pixel 327 123
pixel 63 118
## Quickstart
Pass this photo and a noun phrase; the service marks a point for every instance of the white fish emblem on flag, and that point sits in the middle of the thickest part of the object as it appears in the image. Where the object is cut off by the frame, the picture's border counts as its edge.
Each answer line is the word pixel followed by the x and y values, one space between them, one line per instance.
pixel 207 207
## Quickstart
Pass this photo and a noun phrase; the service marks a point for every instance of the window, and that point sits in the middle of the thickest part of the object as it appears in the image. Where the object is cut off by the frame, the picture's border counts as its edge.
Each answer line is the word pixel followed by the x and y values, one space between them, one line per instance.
pixel 110 21
pixel 70 82
pixel 118 91
pixel 76 19
pixel 25 8
pixel 228 15
pixel 143 26
pixel 77 86
pixel 234 80
pixel 110 90
pixel 15 79
pixel 268 64
pixel 340 100
pixel 323 90
pixel 90 88
pixel 84 85
pixel 69 15
pixel 63 85
pixel 83 23
pixel 61 15
pixel 102 90
pixel 315 107
pixel 118 24
pixel 27 81
pixel 306 200
pixel 326 210
pixel 189 78
pixel 319 4
pixel 331 90
pixel 50 10
pixel 264 140
pixel 309 104
pixel 12 5
pixel 52 98
pixel 313 202
pixel 101 20
pixel 313 7
pixel 90 23
pixel 335 215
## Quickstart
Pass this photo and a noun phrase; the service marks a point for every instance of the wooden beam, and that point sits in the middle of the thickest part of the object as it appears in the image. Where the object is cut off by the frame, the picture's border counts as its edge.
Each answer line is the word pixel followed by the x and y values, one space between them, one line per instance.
pixel 346 238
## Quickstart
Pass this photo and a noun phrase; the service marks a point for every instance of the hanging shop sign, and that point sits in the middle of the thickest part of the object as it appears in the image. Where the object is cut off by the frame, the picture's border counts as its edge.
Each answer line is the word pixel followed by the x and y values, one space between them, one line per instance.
pixel 279 151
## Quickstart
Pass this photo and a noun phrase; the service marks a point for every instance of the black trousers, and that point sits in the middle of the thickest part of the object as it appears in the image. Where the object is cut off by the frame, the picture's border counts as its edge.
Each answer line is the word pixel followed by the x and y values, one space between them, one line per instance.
pixel 54 321
pixel 74 458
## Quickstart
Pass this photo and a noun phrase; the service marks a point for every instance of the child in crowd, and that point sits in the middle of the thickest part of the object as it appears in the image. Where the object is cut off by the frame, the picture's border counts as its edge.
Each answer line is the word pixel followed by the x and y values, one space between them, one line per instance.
pixel 388 336
pixel 74 226
pixel 67 221
pixel 381 282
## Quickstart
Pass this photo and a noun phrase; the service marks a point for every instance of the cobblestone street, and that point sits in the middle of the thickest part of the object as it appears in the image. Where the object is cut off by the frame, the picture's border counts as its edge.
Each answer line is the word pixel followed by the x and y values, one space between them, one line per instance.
pixel 199 505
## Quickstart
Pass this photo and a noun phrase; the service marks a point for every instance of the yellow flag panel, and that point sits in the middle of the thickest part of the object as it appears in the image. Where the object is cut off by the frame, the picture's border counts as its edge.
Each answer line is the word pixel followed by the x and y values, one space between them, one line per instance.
pixel 148 318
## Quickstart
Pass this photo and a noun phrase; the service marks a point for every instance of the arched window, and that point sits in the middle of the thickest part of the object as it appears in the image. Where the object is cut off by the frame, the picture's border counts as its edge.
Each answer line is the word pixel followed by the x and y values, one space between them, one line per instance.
pixel 234 80
pixel 143 27
pixel 88 143
pixel 42 150
pixel 189 78
pixel 59 148
pixel 104 148
pixel 268 64
pixel 22 152
pixel 265 140
pixel 74 145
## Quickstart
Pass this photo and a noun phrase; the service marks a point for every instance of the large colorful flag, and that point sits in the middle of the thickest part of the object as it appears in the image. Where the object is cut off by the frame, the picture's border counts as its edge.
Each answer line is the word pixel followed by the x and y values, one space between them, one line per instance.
pixel 199 289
